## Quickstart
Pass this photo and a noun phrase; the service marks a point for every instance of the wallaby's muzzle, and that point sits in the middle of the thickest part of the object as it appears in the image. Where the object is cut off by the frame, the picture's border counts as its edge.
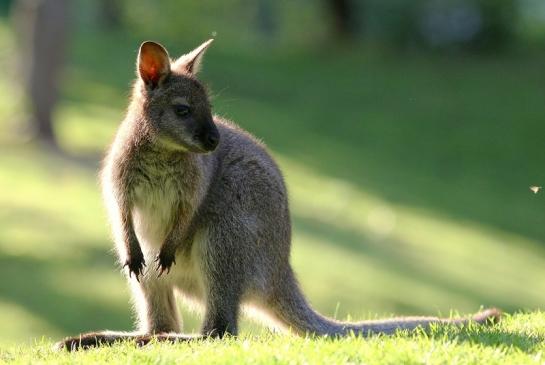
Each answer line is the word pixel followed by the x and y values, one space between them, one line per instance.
pixel 209 138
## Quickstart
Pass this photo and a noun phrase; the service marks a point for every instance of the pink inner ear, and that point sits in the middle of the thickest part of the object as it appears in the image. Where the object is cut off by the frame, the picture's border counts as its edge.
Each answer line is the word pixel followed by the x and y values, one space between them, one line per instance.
pixel 150 68
pixel 152 73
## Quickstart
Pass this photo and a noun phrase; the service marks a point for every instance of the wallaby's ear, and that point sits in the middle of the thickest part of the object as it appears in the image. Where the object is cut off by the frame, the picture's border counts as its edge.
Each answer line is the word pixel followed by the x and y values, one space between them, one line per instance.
pixel 191 63
pixel 153 63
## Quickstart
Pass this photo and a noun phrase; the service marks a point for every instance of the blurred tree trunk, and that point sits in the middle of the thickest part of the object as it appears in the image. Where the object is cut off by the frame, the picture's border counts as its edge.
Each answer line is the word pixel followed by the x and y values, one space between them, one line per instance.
pixel 266 17
pixel 344 18
pixel 110 14
pixel 42 27
pixel 5 6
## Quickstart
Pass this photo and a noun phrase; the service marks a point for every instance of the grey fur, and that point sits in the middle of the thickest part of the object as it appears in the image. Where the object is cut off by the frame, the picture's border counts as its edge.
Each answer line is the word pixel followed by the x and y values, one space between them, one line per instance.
pixel 214 218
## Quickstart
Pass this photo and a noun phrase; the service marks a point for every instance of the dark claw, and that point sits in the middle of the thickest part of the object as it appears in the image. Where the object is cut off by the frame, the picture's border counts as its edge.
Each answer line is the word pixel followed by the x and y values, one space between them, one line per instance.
pixel 136 267
pixel 161 268
pixel 164 263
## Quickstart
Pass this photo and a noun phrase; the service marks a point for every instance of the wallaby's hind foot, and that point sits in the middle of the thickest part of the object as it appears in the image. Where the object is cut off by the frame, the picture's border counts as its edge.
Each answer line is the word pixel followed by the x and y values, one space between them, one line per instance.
pixel 488 316
pixel 108 338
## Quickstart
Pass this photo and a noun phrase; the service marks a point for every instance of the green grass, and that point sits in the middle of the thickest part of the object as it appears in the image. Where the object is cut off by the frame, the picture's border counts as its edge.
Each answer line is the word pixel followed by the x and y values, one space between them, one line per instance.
pixel 517 340
pixel 408 177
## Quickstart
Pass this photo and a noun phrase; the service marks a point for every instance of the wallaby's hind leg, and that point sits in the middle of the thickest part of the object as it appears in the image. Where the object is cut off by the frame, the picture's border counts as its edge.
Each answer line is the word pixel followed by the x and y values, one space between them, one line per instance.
pixel 221 316
pixel 157 318
pixel 156 305
pixel 222 271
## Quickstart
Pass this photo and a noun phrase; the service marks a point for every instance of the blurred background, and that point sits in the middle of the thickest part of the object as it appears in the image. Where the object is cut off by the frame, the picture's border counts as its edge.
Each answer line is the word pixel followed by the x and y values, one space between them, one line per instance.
pixel 409 133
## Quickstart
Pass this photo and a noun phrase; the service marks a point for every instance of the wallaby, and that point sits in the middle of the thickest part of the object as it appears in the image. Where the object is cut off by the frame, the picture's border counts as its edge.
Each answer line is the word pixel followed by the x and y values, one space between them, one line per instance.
pixel 205 201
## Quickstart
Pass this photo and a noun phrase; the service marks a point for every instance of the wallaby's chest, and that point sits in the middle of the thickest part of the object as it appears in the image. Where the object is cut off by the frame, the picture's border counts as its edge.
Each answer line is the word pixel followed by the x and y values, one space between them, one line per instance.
pixel 155 188
pixel 161 195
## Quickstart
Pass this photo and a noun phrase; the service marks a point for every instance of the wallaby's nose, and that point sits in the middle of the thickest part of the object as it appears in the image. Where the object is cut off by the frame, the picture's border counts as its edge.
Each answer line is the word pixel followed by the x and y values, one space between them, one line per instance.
pixel 211 140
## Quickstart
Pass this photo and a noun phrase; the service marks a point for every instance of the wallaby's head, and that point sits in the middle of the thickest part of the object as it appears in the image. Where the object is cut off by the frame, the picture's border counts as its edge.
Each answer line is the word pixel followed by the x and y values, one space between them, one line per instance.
pixel 173 102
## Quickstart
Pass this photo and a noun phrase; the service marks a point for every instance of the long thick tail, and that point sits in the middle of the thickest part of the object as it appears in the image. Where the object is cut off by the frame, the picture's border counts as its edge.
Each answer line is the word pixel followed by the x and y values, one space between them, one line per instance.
pixel 290 307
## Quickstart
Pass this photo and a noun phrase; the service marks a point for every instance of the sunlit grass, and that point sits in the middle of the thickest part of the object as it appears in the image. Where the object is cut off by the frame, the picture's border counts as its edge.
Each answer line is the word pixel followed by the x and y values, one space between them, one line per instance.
pixel 518 340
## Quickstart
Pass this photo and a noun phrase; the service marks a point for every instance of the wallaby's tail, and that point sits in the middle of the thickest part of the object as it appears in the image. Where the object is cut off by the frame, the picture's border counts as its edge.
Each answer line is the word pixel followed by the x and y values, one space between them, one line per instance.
pixel 290 307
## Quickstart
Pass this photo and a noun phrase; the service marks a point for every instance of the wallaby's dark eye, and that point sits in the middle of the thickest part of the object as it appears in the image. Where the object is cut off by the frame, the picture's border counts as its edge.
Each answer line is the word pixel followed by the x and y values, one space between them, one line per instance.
pixel 182 110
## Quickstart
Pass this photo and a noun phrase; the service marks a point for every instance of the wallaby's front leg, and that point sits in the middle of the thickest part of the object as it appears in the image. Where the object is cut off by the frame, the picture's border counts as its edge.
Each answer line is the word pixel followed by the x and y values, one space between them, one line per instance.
pixel 134 258
pixel 166 256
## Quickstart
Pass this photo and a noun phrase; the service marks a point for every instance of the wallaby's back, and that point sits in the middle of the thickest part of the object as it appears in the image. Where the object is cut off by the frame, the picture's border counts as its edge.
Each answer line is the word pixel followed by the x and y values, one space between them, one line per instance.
pixel 247 190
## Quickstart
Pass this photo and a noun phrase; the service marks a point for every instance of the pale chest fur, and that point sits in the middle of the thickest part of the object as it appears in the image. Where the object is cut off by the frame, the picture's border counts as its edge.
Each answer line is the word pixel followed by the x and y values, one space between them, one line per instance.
pixel 163 193
pixel 153 213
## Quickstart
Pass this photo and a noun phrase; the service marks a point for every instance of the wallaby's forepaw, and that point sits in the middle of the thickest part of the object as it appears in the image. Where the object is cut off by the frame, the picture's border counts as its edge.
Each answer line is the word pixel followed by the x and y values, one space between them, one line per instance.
pixel 136 265
pixel 164 261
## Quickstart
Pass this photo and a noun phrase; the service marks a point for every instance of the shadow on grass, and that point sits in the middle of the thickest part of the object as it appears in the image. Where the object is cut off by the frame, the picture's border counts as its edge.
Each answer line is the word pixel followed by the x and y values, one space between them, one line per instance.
pixel 30 283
